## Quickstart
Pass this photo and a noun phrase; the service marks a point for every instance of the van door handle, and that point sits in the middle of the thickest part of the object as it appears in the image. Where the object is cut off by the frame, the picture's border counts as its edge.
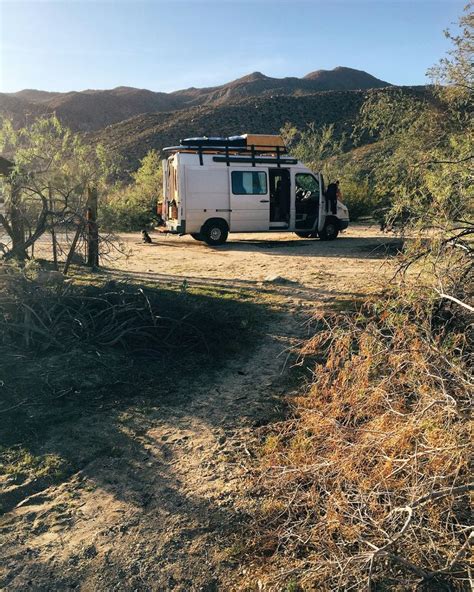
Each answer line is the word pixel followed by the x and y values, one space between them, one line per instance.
pixel 264 200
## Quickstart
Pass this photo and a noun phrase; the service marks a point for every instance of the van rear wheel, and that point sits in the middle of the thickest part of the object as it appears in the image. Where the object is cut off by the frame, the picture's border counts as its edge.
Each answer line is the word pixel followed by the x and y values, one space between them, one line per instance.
pixel 215 233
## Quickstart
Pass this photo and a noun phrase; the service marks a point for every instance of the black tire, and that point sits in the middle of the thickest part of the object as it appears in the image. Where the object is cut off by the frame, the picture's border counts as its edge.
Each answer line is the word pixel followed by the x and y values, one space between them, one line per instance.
pixel 215 233
pixel 330 231
pixel 197 236
pixel 306 234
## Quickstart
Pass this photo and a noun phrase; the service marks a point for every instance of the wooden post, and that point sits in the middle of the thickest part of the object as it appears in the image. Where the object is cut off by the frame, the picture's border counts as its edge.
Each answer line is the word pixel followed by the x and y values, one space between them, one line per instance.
pixel 72 250
pixel 53 231
pixel 17 223
pixel 92 228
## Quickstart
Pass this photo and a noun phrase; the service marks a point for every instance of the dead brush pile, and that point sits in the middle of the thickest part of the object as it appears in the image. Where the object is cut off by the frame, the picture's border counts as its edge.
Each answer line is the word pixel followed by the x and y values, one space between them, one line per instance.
pixel 367 488
pixel 40 312
pixel 59 316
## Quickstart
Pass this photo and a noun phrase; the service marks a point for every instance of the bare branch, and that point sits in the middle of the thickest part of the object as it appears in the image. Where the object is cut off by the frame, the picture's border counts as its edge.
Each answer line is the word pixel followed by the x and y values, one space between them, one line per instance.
pixel 458 161
pixel 456 300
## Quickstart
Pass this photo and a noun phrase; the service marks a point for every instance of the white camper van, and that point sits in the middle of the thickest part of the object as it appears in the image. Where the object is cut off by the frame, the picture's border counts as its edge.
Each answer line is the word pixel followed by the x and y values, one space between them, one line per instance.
pixel 213 186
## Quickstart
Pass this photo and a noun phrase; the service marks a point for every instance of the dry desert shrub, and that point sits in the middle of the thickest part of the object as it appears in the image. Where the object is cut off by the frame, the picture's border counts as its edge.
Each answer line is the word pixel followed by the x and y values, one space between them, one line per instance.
pixel 367 487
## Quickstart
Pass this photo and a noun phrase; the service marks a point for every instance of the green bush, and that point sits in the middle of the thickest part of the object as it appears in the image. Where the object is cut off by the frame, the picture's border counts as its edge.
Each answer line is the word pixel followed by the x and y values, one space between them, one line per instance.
pixel 133 207
pixel 358 197
pixel 125 211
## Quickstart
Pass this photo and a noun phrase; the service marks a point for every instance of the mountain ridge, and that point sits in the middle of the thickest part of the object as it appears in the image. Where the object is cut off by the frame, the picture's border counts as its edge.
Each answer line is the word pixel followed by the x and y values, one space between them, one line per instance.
pixel 91 110
pixel 134 137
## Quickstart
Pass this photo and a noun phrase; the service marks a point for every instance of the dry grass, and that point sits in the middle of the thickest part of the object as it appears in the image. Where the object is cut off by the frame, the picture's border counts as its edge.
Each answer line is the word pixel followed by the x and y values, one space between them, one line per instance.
pixel 367 487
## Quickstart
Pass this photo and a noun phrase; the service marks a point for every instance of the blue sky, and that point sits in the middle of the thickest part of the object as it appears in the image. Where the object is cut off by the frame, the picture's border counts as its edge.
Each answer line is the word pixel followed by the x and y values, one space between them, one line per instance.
pixel 171 44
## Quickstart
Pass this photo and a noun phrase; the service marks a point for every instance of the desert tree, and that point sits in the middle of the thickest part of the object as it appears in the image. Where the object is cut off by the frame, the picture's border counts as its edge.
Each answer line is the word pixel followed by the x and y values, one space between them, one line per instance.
pixel 455 70
pixel 428 180
pixel 314 145
pixel 54 171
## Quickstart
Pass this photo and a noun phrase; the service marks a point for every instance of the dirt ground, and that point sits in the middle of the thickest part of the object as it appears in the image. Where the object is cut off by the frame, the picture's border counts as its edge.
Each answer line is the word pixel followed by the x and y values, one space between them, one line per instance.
pixel 302 271
pixel 164 508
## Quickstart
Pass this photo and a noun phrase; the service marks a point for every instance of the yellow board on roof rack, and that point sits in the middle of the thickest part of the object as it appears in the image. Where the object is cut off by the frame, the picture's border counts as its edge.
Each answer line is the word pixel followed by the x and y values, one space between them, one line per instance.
pixel 264 141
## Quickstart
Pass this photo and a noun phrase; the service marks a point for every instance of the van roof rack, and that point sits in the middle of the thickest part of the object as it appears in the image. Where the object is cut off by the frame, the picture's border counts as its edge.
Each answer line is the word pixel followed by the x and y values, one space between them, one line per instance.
pixel 249 148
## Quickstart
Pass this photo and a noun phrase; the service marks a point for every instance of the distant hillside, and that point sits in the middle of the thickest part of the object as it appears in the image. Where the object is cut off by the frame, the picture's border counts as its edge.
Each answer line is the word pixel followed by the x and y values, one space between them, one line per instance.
pixel 267 114
pixel 344 79
pixel 134 137
pixel 20 110
pixel 35 96
pixel 91 110
pixel 256 84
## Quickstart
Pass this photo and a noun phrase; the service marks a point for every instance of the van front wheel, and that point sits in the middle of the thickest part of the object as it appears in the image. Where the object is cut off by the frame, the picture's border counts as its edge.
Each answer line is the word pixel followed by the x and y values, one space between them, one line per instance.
pixel 330 231
pixel 215 233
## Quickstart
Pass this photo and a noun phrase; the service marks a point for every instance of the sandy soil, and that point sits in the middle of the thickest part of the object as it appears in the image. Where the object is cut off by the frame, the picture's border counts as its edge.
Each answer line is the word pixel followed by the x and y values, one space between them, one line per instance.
pixel 307 270
pixel 167 511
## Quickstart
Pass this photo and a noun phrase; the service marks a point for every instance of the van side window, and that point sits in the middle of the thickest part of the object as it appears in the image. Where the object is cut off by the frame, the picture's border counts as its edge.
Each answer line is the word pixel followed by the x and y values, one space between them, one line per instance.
pixel 249 183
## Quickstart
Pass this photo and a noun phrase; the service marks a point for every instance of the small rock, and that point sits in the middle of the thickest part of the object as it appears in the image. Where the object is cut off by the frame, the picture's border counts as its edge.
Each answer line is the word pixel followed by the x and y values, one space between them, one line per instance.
pixel 274 279
pixel 90 552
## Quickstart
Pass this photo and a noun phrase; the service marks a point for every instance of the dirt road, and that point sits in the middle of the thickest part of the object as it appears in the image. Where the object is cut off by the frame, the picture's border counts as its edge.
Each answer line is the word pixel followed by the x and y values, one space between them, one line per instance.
pixel 305 271
pixel 162 509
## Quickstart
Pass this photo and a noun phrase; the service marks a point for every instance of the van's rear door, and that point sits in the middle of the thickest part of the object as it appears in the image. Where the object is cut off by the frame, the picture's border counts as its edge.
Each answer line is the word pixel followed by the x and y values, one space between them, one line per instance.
pixel 249 199
pixel 164 207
